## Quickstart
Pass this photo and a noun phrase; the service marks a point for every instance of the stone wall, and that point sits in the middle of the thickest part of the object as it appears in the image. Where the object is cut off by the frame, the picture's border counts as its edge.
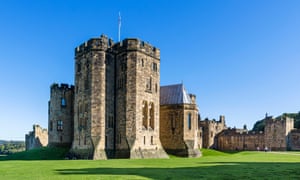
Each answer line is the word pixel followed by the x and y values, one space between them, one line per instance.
pixel 178 137
pixel 60 117
pixel 37 138
pixel 276 132
pixel 137 102
pixel 92 110
pixel 240 139
pixel 278 135
pixel 294 140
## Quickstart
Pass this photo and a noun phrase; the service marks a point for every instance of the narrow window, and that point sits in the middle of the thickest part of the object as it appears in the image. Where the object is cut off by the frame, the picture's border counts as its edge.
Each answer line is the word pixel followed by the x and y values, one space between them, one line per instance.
pixel 142 62
pixel 151 140
pixel 154 67
pixel 63 102
pixel 149 84
pixel 151 115
pixel 51 126
pixel 144 140
pixel 145 114
pixel 78 67
pixel 59 125
pixel 120 139
pixel 105 141
pixel 173 125
pixel 190 121
pixel 61 138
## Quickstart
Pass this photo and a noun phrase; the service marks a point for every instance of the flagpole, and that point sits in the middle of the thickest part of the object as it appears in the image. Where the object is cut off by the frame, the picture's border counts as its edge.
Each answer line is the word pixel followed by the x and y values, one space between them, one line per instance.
pixel 119 25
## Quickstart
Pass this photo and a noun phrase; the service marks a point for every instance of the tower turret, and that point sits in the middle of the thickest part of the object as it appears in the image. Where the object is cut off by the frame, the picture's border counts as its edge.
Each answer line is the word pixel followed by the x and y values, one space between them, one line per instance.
pixel 60 115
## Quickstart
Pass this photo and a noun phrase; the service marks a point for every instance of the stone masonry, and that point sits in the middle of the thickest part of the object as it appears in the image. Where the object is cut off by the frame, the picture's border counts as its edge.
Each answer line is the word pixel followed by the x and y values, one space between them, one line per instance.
pixel 179 114
pixel 60 115
pixel 210 129
pixel 278 135
pixel 116 101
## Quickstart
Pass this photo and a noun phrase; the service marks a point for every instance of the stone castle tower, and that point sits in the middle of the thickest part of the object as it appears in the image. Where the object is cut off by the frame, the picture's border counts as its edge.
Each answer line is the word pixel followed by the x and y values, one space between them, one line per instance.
pixel 210 129
pixel 116 100
pixel 60 114
pixel 277 132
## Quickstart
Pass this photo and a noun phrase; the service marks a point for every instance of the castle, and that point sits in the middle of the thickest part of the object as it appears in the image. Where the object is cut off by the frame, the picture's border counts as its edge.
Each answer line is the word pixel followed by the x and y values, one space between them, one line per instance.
pixel 117 109
pixel 113 111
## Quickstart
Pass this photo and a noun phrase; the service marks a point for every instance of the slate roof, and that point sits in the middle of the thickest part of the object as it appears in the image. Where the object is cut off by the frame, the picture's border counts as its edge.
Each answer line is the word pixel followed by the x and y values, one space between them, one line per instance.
pixel 174 94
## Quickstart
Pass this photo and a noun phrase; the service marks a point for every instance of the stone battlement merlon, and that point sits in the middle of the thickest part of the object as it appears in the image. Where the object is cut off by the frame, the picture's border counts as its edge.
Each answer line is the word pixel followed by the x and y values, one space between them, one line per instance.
pixel 62 86
pixel 134 44
pixel 94 44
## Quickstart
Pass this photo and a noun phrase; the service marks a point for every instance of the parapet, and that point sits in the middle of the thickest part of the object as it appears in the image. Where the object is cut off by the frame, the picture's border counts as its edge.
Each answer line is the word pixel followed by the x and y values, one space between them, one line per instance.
pixel 94 44
pixel 134 44
pixel 282 119
pixel 61 86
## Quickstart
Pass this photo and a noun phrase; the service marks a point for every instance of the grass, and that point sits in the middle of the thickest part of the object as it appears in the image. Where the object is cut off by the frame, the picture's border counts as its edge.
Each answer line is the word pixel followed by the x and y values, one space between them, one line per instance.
pixel 213 165
pixel 38 154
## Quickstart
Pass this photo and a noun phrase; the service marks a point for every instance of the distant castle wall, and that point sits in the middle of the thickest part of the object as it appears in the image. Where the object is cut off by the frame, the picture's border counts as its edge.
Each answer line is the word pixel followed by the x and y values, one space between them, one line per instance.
pixel 36 138
pixel 278 135
pixel 240 139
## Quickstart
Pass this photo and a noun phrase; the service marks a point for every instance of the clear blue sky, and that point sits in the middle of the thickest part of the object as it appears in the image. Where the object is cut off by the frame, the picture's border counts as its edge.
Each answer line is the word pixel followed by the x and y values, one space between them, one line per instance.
pixel 241 58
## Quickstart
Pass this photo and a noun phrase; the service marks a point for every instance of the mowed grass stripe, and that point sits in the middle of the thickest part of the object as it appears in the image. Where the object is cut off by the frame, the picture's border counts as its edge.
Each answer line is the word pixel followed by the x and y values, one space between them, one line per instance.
pixel 213 165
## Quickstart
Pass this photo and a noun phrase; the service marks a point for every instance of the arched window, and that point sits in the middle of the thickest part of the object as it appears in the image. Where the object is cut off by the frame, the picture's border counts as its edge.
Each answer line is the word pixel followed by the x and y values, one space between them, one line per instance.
pixel 189 121
pixel 145 114
pixel 63 102
pixel 151 110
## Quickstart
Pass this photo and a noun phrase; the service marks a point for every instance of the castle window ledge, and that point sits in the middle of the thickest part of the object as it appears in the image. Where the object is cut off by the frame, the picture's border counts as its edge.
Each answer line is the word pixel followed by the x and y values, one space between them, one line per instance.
pixel 148 91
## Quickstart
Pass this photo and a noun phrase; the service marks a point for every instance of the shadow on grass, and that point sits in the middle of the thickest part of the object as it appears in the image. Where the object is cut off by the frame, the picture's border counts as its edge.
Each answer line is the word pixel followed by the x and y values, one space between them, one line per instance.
pixel 217 170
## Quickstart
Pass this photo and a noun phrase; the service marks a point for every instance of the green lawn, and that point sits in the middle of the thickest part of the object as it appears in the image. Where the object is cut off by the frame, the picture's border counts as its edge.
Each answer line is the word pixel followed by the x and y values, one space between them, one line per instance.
pixel 213 165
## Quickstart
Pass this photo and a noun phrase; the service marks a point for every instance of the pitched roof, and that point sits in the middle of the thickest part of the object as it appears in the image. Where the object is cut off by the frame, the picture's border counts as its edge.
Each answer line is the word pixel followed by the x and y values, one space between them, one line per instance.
pixel 174 94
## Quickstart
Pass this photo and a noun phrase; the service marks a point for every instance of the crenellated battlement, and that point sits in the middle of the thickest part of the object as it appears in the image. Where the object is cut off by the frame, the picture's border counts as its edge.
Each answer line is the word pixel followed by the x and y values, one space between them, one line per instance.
pixel 214 121
pixel 137 45
pixel 94 44
pixel 103 43
pixel 62 86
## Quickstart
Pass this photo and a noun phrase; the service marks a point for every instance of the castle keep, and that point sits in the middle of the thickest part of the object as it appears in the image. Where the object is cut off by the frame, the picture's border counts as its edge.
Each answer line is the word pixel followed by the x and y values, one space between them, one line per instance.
pixel 113 109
